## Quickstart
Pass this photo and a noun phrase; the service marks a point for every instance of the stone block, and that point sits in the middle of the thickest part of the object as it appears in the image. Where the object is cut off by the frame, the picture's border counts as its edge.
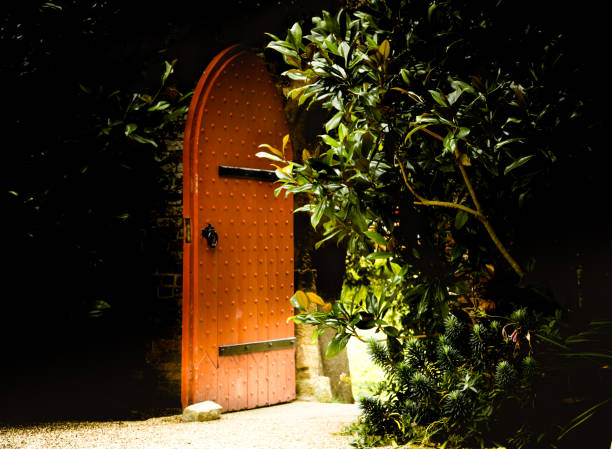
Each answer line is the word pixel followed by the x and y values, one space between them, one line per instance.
pixel 202 411
pixel 316 389
pixel 308 357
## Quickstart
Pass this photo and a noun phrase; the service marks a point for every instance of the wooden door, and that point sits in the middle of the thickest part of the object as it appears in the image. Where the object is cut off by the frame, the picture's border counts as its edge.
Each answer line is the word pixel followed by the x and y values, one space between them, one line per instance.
pixel 238 348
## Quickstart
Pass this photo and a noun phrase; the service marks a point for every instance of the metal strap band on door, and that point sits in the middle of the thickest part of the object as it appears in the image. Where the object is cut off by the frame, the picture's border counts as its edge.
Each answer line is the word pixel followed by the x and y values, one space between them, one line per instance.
pixel 257 346
pixel 247 173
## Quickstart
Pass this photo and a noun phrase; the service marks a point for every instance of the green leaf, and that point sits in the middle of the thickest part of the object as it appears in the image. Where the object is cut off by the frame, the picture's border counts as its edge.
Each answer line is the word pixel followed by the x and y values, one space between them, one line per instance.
pixel 390 330
pixel 276 38
pixel 328 237
pixel 462 132
pixel 333 123
pixel 295 303
pixel 358 180
pixel 159 106
pixel 512 120
pixel 582 417
pixel 342 132
pixel 129 128
pixel 52 6
pixel 296 34
pixel 367 320
pixel 98 307
pixel 365 324
pixel 357 219
pixel 337 344
pixel 300 189
pixel 344 49
pixel 438 96
pixel 141 139
pixel 305 96
pixel 317 214
pixel 283 48
pixel 431 10
pixel 167 72
pixel 296 74
pixel 464 87
pixel 384 49
pixel 330 44
pixel 460 219
pixel 450 142
pixel 506 142
pixel 305 208
pixel 517 164
pixel 316 334
pixel 379 255
pixel 329 140
pixel 376 237
pixel 263 154
pixel 280 174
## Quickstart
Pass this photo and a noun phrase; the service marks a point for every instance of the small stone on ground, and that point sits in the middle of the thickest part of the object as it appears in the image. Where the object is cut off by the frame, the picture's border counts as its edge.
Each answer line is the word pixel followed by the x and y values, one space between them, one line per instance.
pixel 202 411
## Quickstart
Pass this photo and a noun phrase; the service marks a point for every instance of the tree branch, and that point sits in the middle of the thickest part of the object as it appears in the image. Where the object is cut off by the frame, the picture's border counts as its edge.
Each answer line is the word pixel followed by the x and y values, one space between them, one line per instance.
pixel 477 213
pixel 427 202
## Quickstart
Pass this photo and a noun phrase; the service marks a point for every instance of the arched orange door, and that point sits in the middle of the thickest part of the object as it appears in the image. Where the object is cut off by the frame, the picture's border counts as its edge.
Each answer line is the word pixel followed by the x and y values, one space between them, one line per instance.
pixel 238 349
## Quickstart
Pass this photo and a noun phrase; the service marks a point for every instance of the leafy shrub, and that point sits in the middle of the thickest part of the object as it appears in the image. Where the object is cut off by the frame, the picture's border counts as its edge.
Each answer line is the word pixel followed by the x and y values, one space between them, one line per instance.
pixel 456 393
pixel 439 138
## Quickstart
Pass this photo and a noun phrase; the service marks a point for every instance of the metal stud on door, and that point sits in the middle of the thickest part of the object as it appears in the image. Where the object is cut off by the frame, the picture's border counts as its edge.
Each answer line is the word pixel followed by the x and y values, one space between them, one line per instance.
pixel 238 349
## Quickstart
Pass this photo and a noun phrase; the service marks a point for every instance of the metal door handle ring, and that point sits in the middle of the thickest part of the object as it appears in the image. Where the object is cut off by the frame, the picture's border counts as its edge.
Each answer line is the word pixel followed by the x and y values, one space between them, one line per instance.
pixel 210 235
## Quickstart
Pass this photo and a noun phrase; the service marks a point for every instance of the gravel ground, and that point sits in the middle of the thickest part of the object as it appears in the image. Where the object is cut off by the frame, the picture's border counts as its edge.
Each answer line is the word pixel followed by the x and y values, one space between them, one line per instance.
pixel 296 425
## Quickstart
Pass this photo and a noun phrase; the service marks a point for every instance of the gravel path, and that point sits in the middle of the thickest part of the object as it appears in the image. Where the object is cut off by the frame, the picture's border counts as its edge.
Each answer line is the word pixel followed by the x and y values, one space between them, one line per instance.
pixel 296 425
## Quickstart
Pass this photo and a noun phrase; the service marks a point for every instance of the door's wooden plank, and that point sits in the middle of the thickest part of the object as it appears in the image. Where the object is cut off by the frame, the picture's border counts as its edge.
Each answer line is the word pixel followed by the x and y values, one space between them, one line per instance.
pixel 289 368
pixel 252 376
pixel 223 383
pixel 262 380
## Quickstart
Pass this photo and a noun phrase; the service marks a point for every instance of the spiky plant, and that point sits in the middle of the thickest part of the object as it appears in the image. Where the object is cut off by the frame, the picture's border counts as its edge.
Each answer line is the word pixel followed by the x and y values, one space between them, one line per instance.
pixel 378 353
pixel 494 333
pixel 404 373
pixel 456 405
pixel 448 357
pixel 454 330
pixel 505 376
pixel 521 317
pixel 412 408
pixel 528 369
pixel 373 413
pixel 415 354
pixel 421 388
pixel 478 343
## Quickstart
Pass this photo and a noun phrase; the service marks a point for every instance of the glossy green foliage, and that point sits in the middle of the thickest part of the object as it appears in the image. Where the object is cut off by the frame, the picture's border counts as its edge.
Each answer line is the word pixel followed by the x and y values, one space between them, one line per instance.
pixel 387 76
pixel 443 119
pixel 426 134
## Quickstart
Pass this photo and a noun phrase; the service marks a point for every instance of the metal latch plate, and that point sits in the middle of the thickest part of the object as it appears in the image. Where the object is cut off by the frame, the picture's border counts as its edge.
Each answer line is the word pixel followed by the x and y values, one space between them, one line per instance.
pixel 247 173
pixel 257 346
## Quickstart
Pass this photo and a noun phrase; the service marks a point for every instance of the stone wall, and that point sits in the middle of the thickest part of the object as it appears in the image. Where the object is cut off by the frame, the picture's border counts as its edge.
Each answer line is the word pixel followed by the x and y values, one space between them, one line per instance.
pixel 163 352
